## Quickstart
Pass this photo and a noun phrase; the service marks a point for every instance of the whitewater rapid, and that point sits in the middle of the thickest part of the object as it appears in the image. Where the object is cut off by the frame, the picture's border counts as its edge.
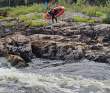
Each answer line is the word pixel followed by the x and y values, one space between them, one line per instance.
pixel 46 76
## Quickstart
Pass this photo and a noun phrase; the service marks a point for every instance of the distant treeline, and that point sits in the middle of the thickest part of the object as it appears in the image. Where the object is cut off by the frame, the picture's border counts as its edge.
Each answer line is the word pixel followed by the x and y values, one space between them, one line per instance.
pixel 14 3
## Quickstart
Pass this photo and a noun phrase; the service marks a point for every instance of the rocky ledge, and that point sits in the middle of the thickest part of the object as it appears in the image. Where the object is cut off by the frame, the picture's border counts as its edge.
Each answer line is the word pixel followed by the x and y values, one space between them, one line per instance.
pixel 59 41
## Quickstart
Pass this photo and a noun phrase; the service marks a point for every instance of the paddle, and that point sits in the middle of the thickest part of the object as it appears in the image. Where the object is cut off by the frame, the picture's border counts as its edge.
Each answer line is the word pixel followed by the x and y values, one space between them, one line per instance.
pixel 46 6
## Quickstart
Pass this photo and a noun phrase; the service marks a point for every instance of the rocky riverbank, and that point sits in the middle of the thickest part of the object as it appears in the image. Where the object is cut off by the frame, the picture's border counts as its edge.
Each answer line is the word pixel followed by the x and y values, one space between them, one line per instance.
pixel 63 41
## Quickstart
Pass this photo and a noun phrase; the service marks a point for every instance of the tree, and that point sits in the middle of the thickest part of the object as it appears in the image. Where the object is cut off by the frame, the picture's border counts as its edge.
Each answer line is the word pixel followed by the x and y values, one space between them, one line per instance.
pixel 26 2
pixel 9 2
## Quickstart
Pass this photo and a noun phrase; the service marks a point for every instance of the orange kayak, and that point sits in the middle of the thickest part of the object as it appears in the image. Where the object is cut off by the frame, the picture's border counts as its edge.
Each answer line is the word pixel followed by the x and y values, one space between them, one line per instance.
pixel 58 11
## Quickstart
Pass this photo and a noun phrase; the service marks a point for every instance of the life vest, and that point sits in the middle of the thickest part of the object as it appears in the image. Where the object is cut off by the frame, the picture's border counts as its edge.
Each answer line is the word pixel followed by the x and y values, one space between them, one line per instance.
pixel 52 11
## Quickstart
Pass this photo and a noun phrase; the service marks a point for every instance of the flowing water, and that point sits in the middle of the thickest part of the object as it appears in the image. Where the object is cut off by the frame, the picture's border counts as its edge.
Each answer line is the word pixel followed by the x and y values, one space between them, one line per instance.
pixel 48 76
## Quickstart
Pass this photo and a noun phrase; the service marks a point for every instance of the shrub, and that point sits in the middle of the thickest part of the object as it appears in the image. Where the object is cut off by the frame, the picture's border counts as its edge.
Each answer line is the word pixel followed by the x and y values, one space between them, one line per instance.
pixel 62 2
pixel 4 11
pixel 99 14
pixel 29 23
pixel 107 11
pixel 23 18
pixel 9 24
pixel 35 17
pixel 79 19
pixel 91 12
pixel 1 17
pixel 106 20
pixel 23 10
pixel 89 21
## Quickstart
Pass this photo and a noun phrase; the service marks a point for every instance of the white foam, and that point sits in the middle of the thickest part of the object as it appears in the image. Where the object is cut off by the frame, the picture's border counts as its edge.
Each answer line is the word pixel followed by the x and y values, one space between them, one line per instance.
pixel 50 83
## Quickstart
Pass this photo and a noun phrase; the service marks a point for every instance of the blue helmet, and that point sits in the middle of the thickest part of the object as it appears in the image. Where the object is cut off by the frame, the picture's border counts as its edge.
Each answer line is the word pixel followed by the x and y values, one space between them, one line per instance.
pixel 51 7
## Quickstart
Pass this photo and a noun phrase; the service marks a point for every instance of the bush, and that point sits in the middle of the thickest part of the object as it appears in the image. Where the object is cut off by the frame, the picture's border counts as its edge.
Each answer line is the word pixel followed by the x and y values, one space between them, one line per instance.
pixel 4 11
pixel 29 23
pixel 9 24
pixel 35 17
pixel 99 14
pixel 107 11
pixel 23 18
pixel 106 20
pixel 1 17
pixel 23 10
pixel 89 21
pixel 79 19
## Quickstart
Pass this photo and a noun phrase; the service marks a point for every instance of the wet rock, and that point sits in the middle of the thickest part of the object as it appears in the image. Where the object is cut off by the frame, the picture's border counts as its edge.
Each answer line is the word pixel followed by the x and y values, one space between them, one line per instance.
pixel 16 61
pixel 97 46
pixel 3 50
pixel 18 44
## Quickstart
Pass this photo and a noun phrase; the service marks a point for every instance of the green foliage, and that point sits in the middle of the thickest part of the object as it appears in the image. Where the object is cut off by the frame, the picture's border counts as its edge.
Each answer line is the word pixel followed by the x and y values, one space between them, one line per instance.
pixel 81 1
pixel 29 23
pixel 62 2
pixel 89 21
pixel 106 20
pixel 9 24
pixel 91 12
pixel 107 11
pixel 79 19
pixel 35 17
pixel 23 10
pixel 1 17
pixel 23 18
pixel 99 14
pixel 4 11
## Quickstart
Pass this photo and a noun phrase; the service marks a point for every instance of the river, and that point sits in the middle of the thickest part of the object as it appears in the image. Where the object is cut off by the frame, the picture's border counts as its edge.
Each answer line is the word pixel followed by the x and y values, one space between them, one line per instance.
pixel 55 76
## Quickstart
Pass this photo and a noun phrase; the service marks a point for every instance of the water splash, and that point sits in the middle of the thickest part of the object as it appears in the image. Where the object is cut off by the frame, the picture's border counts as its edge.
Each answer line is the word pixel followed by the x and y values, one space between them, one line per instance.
pixel 50 83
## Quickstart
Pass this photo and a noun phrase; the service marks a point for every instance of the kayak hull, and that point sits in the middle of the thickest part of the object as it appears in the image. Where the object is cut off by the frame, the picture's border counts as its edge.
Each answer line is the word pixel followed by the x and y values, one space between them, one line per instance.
pixel 58 12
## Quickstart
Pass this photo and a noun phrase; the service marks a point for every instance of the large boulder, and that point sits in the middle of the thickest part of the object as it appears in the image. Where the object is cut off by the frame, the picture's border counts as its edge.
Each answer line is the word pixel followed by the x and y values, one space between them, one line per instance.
pixel 18 44
pixel 55 47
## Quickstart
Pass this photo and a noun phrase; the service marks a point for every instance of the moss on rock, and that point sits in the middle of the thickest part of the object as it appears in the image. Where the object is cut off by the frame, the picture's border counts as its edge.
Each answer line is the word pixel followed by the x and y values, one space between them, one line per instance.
pixel 16 61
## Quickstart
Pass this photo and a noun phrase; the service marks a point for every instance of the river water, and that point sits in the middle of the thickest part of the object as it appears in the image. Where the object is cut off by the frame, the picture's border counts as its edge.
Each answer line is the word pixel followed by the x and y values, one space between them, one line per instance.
pixel 55 76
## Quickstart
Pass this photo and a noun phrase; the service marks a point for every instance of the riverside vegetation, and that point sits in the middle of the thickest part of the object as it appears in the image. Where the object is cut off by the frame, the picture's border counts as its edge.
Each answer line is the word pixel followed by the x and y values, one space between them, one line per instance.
pixel 82 6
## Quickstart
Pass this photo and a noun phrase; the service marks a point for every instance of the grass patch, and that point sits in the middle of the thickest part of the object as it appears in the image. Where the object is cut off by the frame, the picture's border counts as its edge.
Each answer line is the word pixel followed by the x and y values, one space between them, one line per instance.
pixel 24 18
pixel 36 17
pixel 89 21
pixel 1 18
pixel 9 24
pixel 29 23
pixel 79 19
pixel 23 10
pixel 99 14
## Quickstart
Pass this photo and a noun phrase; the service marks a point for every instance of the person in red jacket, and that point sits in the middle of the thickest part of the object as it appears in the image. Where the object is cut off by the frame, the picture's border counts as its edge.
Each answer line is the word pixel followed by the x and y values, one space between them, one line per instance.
pixel 52 13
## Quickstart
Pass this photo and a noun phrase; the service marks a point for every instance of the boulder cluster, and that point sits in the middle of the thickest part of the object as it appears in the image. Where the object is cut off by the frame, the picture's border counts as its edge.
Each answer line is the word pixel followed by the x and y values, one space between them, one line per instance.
pixel 60 41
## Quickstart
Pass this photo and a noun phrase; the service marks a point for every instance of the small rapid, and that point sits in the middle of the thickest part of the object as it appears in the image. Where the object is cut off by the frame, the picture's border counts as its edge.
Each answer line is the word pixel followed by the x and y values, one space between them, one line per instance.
pixel 48 76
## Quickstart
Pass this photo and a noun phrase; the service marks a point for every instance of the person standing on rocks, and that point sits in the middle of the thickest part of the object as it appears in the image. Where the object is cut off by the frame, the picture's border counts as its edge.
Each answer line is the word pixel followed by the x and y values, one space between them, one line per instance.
pixel 52 12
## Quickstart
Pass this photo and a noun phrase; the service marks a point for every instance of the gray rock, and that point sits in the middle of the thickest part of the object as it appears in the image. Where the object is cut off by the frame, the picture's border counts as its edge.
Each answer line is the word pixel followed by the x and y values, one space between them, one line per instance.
pixel 18 44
